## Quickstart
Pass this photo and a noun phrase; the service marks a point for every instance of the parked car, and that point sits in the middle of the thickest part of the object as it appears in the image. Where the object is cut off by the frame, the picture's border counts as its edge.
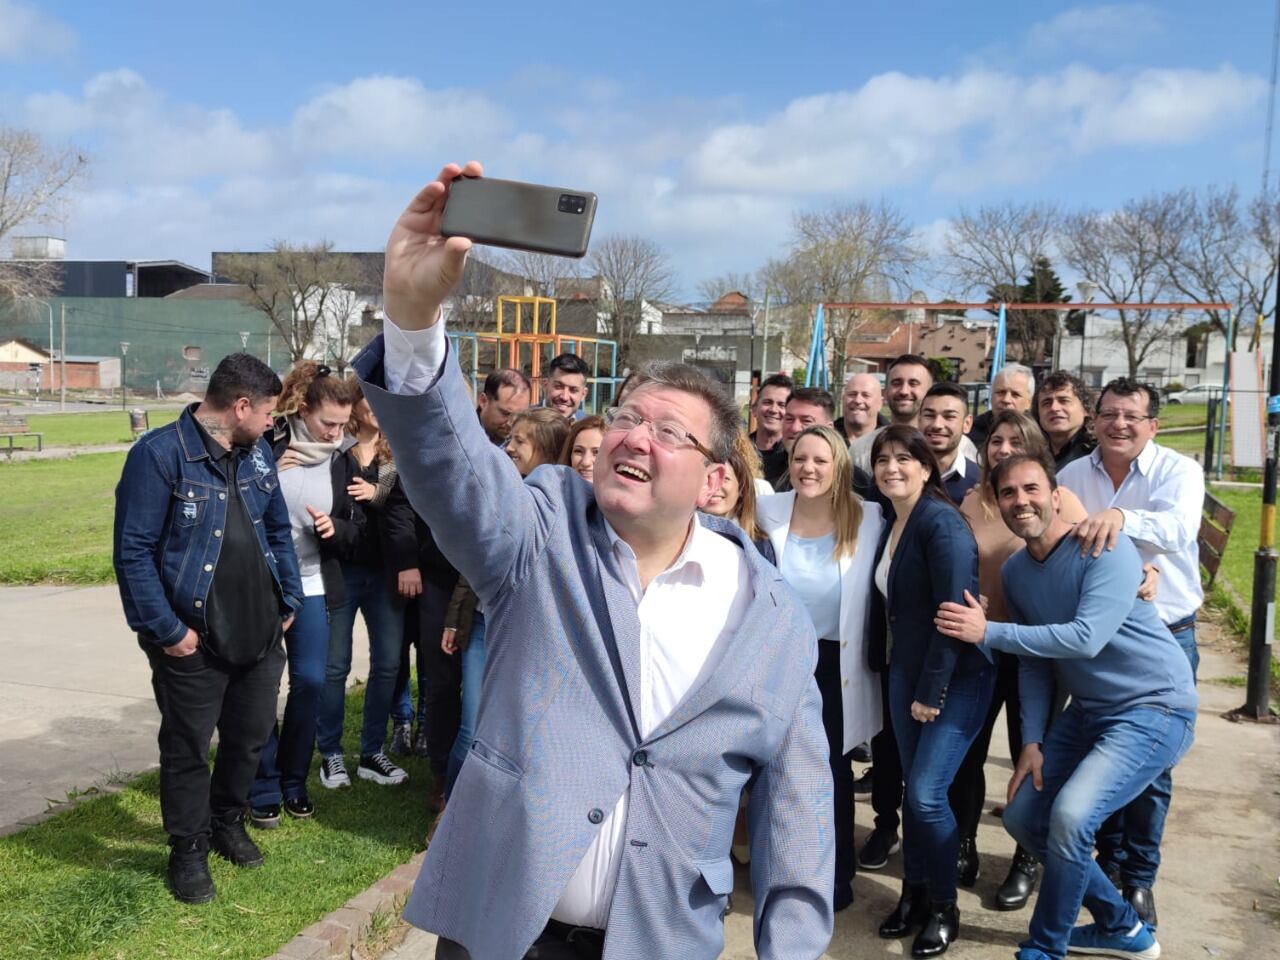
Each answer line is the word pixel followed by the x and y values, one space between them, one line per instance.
pixel 1201 393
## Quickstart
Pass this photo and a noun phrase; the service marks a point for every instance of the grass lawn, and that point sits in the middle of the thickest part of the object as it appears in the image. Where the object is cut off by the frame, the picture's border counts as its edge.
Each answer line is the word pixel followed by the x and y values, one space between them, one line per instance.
pixel 1236 572
pixel 1181 414
pixel 89 429
pixel 55 519
pixel 90 883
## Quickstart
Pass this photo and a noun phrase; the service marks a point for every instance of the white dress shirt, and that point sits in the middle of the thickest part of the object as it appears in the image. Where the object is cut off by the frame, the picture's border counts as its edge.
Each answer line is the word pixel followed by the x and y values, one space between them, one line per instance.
pixel 860 450
pixel 1162 499
pixel 684 611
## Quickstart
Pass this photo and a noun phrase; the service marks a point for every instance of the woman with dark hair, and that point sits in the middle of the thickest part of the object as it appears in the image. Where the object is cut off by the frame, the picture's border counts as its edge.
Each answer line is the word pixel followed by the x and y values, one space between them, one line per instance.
pixel 377 579
pixel 583 445
pixel 327 525
pixel 537 437
pixel 939 688
pixel 824 537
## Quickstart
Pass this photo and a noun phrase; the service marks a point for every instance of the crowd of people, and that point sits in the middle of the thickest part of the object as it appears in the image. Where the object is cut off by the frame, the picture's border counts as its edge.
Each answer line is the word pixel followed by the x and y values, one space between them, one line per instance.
pixel 647 638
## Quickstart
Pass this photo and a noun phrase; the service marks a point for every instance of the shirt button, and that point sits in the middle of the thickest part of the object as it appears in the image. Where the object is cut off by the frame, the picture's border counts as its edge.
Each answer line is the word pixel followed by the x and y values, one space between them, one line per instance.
pixel 893 618
pixel 843 644
pixel 199 604
pixel 222 496
pixel 208 567
pixel 217 533
pixel 845 683
pixel 596 815
pixel 640 758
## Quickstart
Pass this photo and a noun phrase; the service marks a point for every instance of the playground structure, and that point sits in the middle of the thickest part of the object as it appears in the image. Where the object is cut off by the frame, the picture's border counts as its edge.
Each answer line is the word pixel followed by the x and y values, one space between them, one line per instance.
pixel 530 346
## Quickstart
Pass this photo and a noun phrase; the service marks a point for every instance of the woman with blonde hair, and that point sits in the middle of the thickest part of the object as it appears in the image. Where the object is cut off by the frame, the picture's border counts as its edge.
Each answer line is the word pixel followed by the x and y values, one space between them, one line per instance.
pixel 824 537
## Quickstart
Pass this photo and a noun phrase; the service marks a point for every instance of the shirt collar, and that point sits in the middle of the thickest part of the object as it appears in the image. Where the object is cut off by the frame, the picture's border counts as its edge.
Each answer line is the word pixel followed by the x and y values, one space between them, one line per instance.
pixel 958 466
pixel 216 450
pixel 696 552
pixel 1142 463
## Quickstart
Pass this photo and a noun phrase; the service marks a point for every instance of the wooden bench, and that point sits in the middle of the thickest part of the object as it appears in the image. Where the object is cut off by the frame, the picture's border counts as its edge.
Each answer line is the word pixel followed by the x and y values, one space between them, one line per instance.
pixel 15 428
pixel 1215 530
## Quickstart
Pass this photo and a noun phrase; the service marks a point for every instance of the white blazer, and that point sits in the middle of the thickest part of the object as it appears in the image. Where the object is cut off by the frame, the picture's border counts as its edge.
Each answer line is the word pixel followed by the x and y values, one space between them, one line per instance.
pixel 859 686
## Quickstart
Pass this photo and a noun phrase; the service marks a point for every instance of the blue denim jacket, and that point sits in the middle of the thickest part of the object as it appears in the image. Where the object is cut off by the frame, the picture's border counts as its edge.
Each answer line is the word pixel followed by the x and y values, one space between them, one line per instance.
pixel 171 506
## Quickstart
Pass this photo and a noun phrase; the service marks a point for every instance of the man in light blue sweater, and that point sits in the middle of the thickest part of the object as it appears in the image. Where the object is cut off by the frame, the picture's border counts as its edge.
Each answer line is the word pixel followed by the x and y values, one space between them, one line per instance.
pixel 1131 716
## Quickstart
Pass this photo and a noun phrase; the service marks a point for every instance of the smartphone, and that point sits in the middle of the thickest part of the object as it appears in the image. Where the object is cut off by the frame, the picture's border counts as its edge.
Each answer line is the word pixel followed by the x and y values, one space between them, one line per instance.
pixel 521 216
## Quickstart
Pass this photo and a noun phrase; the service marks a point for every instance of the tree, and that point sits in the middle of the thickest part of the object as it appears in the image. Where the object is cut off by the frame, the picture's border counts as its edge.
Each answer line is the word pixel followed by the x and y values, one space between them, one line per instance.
pixel 1003 249
pixel 543 269
pixel 1121 252
pixel 635 271
pixel 36 181
pixel 853 251
pixel 311 294
pixel 747 284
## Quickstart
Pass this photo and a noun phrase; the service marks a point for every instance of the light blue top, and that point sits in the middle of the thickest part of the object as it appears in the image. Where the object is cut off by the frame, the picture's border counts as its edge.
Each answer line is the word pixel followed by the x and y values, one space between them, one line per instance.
pixel 809 566
pixel 1080 618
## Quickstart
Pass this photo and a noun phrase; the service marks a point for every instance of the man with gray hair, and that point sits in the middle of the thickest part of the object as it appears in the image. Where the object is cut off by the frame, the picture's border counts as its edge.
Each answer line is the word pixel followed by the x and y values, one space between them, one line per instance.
pixel 645 664
pixel 1012 389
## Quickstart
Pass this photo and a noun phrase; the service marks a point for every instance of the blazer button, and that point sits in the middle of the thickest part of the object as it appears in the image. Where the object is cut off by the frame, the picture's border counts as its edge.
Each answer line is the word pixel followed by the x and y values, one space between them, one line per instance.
pixel 199 604
pixel 222 496
pixel 217 533
pixel 596 815
pixel 640 758
pixel 208 567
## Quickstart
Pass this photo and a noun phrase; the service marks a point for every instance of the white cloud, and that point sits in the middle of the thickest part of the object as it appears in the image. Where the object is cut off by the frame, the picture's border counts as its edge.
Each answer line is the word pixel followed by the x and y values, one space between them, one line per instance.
pixel 27 34
pixel 1104 28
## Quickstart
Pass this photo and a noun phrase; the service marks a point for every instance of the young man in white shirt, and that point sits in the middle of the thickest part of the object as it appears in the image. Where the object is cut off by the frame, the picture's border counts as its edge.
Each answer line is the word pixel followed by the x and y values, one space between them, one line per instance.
pixel 1154 495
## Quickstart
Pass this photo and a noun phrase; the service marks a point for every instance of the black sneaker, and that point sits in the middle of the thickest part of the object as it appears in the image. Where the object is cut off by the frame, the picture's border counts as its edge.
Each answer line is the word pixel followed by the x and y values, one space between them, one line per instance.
pixel 878 849
pixel 333 772
pixel 265 817
pixel 862 753
pixel 299 807
pixel 402 740
pixel 379 768
pixel 189 878
pixel 230 841
pixel 862 786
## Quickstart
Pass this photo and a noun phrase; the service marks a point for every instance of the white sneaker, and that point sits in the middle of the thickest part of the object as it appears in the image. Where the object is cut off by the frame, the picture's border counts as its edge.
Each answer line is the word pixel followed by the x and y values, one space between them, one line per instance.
pixel 379 768
pixel 333 772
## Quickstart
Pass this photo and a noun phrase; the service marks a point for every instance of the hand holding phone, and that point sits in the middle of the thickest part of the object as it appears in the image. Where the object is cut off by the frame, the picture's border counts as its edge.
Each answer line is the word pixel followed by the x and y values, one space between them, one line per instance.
pixel 521 216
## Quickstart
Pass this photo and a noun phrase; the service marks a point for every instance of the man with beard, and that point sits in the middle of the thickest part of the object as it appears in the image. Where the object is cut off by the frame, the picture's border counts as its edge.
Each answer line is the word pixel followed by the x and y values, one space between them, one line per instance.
pixel 944 421
pixel 1076 616
pixel 909 379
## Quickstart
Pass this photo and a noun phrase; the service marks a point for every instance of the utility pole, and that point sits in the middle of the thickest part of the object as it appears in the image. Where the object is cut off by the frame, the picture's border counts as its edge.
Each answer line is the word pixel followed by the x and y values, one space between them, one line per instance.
pixel 764 352
pixel 62 360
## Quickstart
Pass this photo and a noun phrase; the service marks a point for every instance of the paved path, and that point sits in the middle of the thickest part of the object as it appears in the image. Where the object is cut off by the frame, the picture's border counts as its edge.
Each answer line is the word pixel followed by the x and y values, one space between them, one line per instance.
pixel 1218 894
pixel 76 706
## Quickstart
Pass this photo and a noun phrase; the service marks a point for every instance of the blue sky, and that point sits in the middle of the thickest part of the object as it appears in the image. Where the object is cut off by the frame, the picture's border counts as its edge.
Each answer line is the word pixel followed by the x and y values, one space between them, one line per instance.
pixel 701 125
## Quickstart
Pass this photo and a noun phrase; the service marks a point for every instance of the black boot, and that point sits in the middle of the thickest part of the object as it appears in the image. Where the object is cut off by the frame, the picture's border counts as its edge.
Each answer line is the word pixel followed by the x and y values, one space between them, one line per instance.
pixel 910 913
pixel 940 930
pixel 1143 902
pixel 189 878
pixel 967 865
pixel 1016 889
pixel 231 842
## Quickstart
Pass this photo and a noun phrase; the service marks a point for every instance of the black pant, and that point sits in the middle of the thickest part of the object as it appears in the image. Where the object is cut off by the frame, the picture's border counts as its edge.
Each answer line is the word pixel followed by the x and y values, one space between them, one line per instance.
pixel 197 694
pixel 886 770
pixel 827 673
pixel 969 789
pixel 439 673
pixel 559 941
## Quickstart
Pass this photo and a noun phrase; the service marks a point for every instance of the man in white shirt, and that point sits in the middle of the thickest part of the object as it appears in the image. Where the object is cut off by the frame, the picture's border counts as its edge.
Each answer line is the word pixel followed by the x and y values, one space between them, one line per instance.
pixel 944 420
pixel 1154 495
pixel 644 664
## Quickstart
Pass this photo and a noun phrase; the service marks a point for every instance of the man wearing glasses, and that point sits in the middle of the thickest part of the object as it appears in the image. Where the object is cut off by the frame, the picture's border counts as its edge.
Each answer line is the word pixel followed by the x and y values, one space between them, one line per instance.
pixel 1130 484
pixel 644 665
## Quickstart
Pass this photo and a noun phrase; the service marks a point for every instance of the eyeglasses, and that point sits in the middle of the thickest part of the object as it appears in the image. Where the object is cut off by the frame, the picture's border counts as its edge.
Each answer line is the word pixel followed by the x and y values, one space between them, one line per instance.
pixel 668 434
pixel 1119 416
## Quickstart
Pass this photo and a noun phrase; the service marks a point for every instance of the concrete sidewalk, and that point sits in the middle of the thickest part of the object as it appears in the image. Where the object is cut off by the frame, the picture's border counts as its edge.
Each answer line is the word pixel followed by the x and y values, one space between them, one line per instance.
pixel 76 707
pixel 1217 895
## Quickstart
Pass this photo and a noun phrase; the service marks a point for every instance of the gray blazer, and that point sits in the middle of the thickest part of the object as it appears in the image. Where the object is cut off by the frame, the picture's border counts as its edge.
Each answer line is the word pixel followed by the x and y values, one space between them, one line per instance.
pixel 556 742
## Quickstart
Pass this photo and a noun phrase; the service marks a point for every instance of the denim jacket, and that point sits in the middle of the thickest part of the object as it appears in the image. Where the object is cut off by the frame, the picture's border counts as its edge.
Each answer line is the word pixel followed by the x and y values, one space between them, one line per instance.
pixel 171 506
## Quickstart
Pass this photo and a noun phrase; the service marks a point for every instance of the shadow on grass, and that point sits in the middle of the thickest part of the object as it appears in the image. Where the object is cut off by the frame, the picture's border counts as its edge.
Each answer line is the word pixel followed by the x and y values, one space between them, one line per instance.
pixel 90 882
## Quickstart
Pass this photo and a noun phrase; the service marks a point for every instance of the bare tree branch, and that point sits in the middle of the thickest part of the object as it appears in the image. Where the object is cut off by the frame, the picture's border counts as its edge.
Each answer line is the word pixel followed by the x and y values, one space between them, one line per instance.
pixel 635 271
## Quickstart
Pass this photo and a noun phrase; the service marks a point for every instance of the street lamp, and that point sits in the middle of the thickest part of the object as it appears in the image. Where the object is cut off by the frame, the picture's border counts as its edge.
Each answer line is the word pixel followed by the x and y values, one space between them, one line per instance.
pixel 124 388
pixel 1087 290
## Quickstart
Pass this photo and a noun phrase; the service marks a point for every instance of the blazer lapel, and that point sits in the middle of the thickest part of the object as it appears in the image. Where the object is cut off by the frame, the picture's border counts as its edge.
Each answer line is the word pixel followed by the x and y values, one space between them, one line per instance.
pixel 897 553
pixel 619 622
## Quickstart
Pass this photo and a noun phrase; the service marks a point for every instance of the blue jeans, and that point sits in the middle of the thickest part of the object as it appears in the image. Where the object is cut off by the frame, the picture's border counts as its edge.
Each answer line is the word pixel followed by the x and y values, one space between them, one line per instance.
pixel 1093 765
pixel 368 591
pixel 1130 838
pixel 472 680
pixel 286 756
pixel 931 754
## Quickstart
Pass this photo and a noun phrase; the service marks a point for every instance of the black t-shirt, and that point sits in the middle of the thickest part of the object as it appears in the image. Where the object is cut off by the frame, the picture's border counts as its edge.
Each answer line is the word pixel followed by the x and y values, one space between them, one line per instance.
pixel 242 611
pixel 773 461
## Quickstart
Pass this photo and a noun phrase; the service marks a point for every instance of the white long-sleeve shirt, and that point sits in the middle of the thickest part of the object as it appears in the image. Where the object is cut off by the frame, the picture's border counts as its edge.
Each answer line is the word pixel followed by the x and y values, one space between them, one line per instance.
pixel 684 611
pixel 1162 499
